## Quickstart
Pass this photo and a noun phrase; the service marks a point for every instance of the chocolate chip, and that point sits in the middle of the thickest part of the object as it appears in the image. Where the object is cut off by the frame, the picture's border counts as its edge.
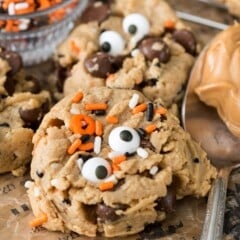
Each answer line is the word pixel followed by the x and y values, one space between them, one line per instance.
pixel 66 201
pixel 31 116
pixel 106 213
pixel 186 39
pixel 95 12
pixel 14 60
pixel 9 85
pixel 4 124
pixel 168 202
pixel 101 64
pixel 196 160
pixel 35 88
pixel 145 143
pixel 39 174
pixel 154 47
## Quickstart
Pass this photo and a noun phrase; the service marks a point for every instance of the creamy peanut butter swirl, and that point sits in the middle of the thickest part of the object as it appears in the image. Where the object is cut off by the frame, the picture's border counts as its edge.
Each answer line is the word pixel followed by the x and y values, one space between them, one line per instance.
pixel 219 77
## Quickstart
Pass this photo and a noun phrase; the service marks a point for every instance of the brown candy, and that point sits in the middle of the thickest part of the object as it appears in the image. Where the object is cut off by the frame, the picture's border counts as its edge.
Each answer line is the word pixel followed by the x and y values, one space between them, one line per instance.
pixel 154 47
pixel 14 60
pixel 168 202
pixel 96 12
pixel 186 39
pixel 102 64
pixel 9 85
pixel 106 213
pixel 31 116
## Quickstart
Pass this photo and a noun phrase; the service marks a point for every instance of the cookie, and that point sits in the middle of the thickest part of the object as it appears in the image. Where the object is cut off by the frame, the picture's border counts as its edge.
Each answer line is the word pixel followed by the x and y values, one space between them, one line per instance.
pixel 233 6
pixel 22 106
pixel 128 44
pixel 109 165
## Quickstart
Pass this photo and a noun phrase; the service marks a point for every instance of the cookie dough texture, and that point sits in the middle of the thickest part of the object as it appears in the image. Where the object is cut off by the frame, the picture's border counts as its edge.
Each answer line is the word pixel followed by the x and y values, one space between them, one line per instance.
pixel 157 62
pixel 22 105
pixel 233 6
pixel 172 165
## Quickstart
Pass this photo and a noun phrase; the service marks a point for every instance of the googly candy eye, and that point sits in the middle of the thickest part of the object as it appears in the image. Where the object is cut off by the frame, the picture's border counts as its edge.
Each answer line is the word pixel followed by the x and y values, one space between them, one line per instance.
pixel 111 42
pixel 136 25
pixel 124 140
pixel 96 169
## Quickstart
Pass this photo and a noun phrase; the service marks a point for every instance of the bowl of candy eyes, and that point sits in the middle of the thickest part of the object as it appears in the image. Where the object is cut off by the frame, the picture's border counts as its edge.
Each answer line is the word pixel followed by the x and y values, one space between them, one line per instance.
pixel 34 28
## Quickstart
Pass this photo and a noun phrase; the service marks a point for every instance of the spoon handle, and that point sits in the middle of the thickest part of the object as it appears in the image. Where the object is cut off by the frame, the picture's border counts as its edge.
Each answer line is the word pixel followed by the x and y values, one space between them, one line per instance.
pixel 213 223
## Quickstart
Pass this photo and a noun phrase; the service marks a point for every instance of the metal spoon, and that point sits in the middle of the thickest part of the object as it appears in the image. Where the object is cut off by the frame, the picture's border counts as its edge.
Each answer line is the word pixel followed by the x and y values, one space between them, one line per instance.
pixel 222 148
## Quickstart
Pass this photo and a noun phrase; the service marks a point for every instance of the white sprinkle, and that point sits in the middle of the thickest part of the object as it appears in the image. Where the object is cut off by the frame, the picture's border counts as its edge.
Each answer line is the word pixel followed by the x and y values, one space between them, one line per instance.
pixel 23 26
pixel 36 192
pixel 74 109
pixel 111 178
pixel 22 5
pixel 114 154
pixel 153 170
pixel 80 163
pixel 133 101
pixel 54 182
pixel 135 52
pixel 97 144
pixel 11 8
pixel 142 152
pixel 28 184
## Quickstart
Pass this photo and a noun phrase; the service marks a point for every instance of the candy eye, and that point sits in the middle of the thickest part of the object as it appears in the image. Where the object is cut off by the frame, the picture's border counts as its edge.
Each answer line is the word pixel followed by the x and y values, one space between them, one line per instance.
pixel 124 140
pixel 111 42
pixel 96 169
pixel 136 25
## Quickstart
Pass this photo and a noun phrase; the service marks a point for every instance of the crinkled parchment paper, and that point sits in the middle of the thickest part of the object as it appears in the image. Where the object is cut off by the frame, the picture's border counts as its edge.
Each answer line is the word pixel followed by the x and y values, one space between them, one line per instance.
pixel 15 214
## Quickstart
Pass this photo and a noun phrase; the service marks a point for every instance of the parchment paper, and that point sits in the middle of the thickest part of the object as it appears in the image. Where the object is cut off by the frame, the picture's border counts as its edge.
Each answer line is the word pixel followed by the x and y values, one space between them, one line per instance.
pixel 184 224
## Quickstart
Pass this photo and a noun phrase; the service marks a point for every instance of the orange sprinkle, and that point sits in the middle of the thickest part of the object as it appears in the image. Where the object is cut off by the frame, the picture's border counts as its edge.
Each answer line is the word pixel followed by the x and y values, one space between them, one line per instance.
pixel 118 159
pixel 112 119
pixel 115 167
pixel 139 108
pixel 106 186
pixel 74 146
pixel 150 128
pixel 161 110
pixel 110 77
pixel 77 98
pixel 169 24
pixel 38 221
pixel 98 128
pixel 86 146
pixel 95 106
pixel 82 124
pixel 74 47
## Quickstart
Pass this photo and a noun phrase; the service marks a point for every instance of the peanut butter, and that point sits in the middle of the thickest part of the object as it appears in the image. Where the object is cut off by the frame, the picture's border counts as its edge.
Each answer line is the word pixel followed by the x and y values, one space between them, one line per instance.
pixel 219 77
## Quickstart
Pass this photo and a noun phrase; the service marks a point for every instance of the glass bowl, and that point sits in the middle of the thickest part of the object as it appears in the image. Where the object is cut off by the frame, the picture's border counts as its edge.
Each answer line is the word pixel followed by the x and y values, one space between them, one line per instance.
pixel 35 35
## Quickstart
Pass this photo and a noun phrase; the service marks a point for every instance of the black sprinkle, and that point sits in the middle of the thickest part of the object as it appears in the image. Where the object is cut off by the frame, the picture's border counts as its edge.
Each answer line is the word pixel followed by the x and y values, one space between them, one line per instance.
pixel 149 112
pixel 15 211
pixel 85 138
pixel 25 207
pixel 4 124
pixel 39 174
pixel 99 112
pixel 66 201
pixel 142 133
pixel 196 160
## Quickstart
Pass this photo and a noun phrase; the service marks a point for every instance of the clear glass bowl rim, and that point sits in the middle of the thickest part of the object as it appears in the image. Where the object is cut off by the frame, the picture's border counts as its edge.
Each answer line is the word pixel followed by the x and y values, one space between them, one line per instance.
pixel 5 16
